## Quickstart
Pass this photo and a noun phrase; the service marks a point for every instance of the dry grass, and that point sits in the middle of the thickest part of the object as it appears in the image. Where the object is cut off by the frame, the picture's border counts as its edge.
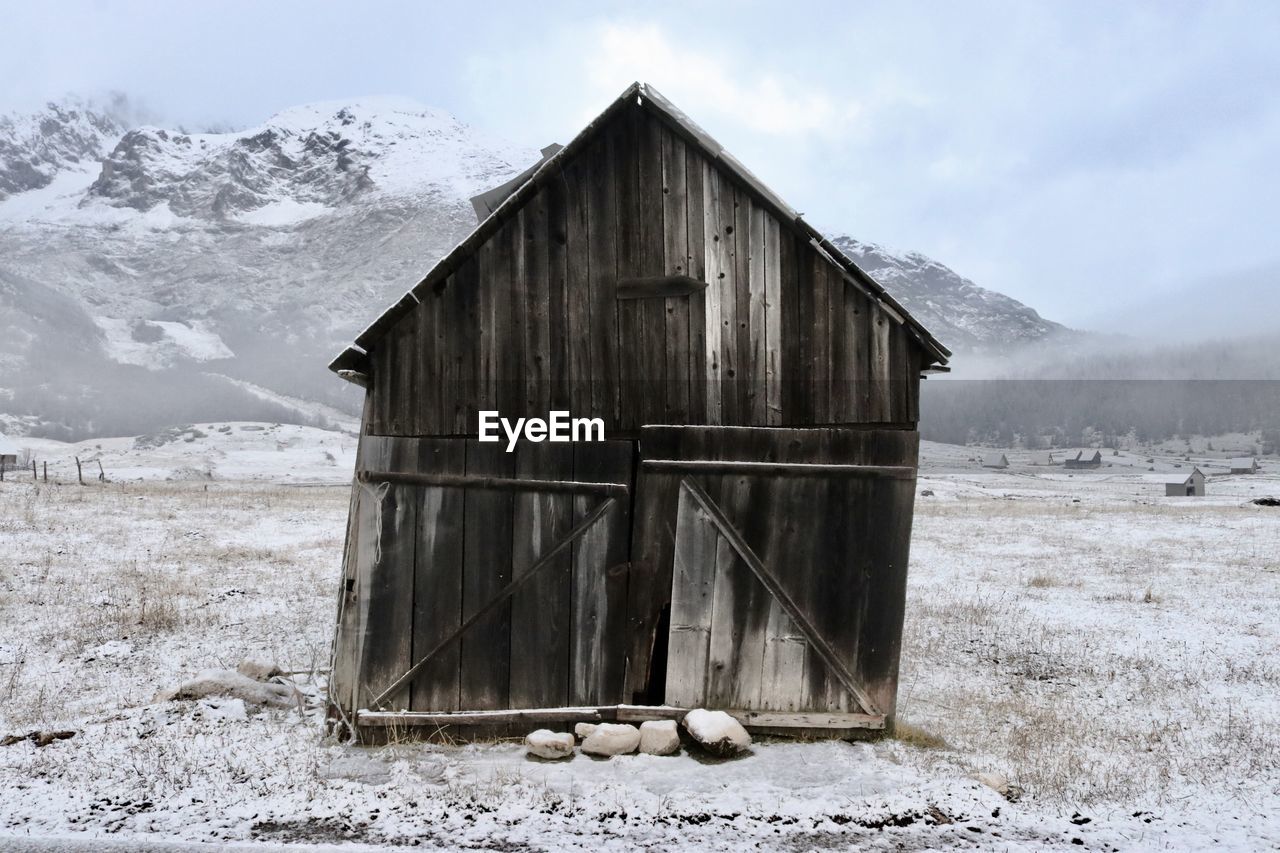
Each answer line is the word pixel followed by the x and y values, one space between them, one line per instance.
pixel 128 587
pixel 1088 651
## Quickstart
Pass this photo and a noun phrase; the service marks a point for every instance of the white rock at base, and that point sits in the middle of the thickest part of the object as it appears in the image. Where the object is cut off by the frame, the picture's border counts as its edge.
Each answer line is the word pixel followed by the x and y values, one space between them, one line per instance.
pixel 257 669
pixel 717 732
pixel 224 682
pixel 545 743
pixel 659 737
pixel 612 739
pixel 583 730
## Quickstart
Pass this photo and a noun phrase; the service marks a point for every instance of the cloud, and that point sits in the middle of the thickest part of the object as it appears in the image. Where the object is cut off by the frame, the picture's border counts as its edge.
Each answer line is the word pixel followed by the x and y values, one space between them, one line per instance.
pixel 711 83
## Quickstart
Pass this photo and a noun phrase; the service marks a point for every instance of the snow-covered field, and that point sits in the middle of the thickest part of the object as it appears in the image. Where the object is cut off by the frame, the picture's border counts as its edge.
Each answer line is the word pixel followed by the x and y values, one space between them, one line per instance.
pixel 1109 650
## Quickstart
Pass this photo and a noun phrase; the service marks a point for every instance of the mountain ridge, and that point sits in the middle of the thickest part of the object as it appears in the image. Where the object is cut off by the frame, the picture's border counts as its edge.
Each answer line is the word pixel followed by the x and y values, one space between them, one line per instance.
pixel 257 254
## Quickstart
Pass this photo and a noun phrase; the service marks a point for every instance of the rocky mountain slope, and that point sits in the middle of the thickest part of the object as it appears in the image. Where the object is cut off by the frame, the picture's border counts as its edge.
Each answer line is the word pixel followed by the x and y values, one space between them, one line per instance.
pixel 152 275
pixel 964 316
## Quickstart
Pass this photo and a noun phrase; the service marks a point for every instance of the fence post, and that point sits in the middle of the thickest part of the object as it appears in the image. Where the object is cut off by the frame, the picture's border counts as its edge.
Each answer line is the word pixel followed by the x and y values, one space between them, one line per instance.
pixel 46 470
pixel 79 471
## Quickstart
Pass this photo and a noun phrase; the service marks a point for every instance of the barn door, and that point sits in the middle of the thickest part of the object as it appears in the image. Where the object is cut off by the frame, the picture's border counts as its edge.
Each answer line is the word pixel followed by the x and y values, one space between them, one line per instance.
pixel 487 580
pixel 787 572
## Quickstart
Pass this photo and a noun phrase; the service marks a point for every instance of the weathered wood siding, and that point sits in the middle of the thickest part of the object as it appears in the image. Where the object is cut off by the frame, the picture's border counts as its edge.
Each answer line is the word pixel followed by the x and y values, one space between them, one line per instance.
pixel 423 559
pixel 780 335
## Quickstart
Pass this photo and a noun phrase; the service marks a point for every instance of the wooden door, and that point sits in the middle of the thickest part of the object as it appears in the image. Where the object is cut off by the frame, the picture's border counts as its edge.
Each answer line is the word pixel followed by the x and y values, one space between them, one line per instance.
pixel 481 580
pixel 788 556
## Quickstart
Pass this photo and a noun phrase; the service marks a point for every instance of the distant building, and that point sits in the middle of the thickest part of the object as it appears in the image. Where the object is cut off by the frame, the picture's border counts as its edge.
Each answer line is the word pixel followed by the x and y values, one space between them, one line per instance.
pixel 1191 485
pixel 8 452
pixel 995 460
pixel 1244 465
pixel 1042 457
pixel 1084 459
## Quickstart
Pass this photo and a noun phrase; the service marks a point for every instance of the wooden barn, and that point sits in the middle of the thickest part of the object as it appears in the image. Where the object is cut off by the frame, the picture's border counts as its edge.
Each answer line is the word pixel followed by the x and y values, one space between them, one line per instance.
pixel 1084 459
pixel 738 540
pixel 995 460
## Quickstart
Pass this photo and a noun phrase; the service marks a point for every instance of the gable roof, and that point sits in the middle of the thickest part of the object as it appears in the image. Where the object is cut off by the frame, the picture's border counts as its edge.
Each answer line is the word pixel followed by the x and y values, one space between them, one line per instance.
pixel 1244 462
pixel 7 447
pixel 991 460
pixel 352 360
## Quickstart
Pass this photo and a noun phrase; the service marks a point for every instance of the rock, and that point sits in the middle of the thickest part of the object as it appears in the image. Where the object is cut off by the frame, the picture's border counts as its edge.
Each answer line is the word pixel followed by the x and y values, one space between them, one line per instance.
pixel 659 737
pixel 583 730
pixel 257 669
pixel 926 493
pixel 39 738
pixel 550 745
pixel 612 739
pixel 1000 783
pixel 716 732
pixel 224 682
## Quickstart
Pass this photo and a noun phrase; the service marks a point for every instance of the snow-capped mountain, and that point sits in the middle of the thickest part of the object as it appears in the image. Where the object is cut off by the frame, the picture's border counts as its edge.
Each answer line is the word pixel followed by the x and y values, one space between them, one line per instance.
pixel 964 316
pixel 152 275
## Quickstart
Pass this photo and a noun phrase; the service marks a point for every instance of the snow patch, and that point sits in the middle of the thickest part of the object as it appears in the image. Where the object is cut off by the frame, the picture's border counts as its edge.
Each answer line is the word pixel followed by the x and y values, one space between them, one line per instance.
pixel 157 344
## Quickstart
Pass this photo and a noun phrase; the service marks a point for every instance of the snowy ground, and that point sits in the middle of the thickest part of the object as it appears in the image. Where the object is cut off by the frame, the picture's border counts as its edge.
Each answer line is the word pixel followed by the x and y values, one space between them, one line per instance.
pixel 1115 657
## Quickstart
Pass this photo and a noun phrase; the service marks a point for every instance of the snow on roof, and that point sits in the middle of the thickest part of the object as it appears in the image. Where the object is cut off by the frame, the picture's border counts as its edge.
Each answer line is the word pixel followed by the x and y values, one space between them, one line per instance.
pixel 1173 478
pixel 7 447
pixel 993 459
pixel 1243 462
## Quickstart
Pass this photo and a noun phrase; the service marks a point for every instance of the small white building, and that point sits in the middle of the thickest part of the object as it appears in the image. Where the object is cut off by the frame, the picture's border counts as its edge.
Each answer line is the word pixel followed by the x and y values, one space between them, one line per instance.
pixel 995 460
pixel 1190 486
pixel 1244 465
pixel 8 452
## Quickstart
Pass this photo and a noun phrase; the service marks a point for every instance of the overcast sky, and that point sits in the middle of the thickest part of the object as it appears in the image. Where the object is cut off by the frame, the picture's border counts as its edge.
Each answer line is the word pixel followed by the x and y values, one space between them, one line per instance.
pixel 1073 155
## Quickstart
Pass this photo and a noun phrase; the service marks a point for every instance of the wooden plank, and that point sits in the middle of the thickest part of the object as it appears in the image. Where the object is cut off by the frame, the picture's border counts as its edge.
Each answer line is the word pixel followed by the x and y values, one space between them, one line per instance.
pixel 540 611
pixel 779 469
pixel 741 608
pixel 486 647
pixel 822 391
pixel 532 717
pixel 676 263
pixel 620 713
pixel 607 229
pixel 507 484
pixel 557 239
pixel 733 318
pixel 512 300
pixel 597 657
pixel 624 173
pixel 667 287
pixel 388 540
pixel 488 367
pixel 879 390
pixel 714 309
pixel 578 275
pixel 464 345
pixel 793 369
pixel 692 603
pixel 772 321
pixel 437 577
pixel 535 254
pixel 757 369
pixel 695 169
pixel 744 335
pixel 653 347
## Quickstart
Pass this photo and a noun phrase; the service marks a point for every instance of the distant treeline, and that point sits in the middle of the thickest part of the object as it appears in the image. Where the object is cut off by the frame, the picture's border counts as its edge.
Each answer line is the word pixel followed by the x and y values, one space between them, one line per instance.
pixel 1037 413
